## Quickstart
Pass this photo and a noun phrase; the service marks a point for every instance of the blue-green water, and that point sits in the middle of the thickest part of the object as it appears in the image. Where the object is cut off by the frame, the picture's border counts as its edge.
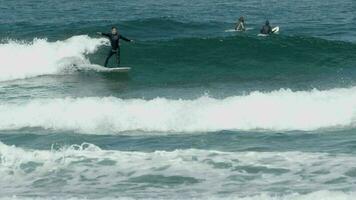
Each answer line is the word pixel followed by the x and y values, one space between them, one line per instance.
pixel 204 113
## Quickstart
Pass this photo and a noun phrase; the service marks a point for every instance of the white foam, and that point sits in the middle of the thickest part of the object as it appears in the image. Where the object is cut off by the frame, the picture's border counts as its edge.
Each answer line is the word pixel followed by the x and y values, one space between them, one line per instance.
pixel 41 57
pixel 319 195
pixel 89 170
pixel 281 110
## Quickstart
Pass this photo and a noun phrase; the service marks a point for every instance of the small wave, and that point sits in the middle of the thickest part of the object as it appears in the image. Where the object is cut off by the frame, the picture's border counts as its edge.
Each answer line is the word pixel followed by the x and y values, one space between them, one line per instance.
pixel 281 110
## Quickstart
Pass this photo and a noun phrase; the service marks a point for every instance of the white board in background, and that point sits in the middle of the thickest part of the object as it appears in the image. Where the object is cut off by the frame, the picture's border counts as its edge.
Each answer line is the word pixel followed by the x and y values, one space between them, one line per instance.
pixel 233 30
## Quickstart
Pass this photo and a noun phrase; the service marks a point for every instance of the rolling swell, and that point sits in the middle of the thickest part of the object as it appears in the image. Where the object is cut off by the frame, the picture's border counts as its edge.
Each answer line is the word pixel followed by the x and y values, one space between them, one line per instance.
pixel 145 29
pixel 288 62
pixel 280 61
pixel 165 28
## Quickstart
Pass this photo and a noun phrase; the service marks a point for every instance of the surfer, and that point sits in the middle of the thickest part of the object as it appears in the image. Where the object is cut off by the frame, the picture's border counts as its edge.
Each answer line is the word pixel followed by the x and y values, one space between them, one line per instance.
pixel 266 29
pixel 114 38
pixel 240 25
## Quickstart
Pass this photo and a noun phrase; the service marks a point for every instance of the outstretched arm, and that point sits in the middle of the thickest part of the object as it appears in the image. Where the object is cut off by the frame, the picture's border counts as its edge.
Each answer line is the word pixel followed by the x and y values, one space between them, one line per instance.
pixel 124 38
pixel 103 34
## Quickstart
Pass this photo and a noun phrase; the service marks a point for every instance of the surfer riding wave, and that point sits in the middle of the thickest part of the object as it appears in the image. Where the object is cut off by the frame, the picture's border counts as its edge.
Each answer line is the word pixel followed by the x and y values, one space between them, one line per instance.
pixel 114 38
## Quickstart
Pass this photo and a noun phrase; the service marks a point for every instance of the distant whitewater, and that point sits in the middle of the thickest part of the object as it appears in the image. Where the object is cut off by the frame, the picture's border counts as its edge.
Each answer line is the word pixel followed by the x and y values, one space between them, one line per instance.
pixel 282 110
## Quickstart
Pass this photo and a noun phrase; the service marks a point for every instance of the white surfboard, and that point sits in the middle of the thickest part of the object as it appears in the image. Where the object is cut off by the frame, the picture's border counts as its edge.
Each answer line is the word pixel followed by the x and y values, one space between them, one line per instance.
pixel 275 30
pixel 231 30
pixel 234 30
pixel 98 68
pixel 112 70
pixel 118 69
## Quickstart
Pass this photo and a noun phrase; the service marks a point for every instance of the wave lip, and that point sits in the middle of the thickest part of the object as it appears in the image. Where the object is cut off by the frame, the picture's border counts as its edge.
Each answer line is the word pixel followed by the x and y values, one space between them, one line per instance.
pixel 282 110
pixel 41 57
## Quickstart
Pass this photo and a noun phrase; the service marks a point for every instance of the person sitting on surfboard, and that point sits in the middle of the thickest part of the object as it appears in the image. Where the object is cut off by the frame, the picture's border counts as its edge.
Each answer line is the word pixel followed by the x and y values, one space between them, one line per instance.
pixel 266 29
pixel 240 25
pixel 114 38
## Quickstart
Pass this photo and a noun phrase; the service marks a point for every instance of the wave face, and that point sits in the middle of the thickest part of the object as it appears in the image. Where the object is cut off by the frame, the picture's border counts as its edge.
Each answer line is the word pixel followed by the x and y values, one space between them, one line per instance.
pixel 40 57
pixel 282 110
pixel 280 62
pixel 92 172
pixel 238 60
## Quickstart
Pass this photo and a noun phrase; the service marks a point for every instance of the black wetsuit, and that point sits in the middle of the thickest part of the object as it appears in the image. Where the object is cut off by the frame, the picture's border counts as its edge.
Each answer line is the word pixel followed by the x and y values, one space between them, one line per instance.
pixel 115 46
pixel 266 29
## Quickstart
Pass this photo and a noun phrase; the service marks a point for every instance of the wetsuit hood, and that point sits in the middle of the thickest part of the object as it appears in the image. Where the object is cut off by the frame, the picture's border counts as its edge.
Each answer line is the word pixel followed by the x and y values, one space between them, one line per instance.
pixel 241 19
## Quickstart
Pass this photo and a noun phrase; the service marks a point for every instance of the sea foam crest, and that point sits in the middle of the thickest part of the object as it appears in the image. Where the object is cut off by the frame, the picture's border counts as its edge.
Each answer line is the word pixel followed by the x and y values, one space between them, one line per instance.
pixel 41 57
pixel 281 110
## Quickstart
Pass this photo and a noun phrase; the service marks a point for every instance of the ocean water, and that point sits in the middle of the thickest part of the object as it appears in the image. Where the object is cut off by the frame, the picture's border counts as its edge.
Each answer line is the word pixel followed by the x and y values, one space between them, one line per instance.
pixel 203 114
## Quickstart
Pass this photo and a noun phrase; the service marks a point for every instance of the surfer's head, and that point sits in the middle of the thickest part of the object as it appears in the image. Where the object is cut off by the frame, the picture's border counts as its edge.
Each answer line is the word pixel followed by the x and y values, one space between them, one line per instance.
pixel 267 22
pixel 114 30
pixel 242 19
